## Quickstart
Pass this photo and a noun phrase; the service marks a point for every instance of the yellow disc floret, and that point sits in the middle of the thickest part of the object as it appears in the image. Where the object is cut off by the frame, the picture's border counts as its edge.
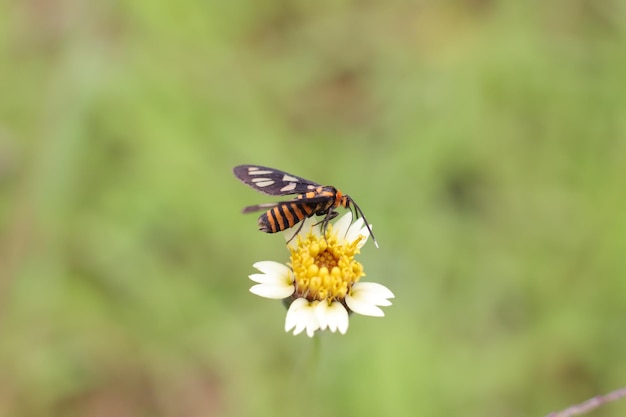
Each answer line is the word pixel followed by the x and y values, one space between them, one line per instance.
pixel 324 269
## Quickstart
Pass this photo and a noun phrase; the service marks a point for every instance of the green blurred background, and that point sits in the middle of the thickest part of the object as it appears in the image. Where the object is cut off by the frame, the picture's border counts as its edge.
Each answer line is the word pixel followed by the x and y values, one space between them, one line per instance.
pixel 484 139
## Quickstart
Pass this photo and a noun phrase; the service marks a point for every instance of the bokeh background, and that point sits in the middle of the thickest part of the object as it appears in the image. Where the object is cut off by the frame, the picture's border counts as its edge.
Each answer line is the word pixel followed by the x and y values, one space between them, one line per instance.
pixel 484 139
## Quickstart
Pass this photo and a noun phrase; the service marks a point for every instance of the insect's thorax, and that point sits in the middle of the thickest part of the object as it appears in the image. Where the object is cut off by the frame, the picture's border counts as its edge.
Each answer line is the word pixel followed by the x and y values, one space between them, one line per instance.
pixel 334 197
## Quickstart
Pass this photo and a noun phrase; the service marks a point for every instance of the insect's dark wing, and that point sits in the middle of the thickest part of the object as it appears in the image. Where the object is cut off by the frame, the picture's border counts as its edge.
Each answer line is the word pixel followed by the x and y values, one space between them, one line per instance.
pixel 273 181
pixel 257 207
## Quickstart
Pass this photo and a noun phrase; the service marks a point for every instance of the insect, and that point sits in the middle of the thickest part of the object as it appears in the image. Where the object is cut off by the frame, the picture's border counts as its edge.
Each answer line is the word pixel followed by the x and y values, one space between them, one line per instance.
pixel 312 199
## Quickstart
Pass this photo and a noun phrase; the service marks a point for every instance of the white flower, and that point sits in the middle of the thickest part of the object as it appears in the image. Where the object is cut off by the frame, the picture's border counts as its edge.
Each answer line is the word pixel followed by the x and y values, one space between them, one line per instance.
pixel 321 282
pixel 300 316
pixel 365 298
pixel 276 281
pixel 333 315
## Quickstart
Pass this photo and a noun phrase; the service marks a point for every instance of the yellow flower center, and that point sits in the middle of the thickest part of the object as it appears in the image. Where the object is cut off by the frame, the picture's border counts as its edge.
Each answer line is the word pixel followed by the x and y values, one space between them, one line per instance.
pixel 324 269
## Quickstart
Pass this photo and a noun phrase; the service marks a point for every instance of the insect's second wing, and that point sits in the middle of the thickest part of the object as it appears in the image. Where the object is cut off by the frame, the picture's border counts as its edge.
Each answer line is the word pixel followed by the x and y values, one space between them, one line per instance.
pixel 313 202
pixel 273 181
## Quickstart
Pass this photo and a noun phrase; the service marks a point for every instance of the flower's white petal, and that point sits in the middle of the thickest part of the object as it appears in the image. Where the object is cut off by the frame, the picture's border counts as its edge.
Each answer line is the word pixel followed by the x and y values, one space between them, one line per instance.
pixel 354 230
pixel 273 279
pixel 342 320
pixel 322 314
pixel 301 315
pixel 366 296
pixel 382 302
pixel 366 233
pixel 372 288
pixel 290 319
pixel 371 298
pixel 300 325
pixel 263 278
pixel 313 225
pixel 363 307
pixel 289 235
pixel 293 318
pixel 358 224
pixel 331 320
pixel 276 292
pixel 272 268
pixel 333 316
pixel 312 325
pixel 340 227
pixel 338 318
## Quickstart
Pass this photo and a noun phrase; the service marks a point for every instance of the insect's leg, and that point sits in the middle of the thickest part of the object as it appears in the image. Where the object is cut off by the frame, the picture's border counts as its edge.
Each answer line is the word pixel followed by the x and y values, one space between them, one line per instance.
pixel 331 214
pixel 296 232
pixel 327 217
pixel 324 222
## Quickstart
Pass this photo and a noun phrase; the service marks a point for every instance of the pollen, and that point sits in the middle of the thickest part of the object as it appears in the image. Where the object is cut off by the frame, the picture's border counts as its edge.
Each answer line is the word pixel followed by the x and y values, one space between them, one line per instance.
pixel 324 268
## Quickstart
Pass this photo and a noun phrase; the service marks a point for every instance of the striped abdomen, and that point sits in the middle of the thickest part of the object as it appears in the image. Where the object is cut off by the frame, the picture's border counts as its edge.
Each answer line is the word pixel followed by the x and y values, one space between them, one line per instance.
pixel 289 213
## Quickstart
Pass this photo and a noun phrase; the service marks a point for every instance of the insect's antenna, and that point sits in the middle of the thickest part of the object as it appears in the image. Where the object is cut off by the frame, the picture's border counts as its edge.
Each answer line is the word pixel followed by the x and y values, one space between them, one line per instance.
pixel 360 212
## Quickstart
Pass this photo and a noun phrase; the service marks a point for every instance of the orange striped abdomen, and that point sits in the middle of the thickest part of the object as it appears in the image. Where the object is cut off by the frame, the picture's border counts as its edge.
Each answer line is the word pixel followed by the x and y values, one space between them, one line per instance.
pixel 289 213
pixel 285 215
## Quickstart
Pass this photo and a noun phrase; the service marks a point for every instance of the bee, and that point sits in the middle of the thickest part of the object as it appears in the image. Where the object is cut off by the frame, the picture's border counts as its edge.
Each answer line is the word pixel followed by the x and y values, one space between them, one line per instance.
pixel 312 199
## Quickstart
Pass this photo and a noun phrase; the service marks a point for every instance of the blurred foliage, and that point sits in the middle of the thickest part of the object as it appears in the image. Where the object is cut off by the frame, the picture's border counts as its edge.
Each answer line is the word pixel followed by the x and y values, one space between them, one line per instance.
pixel 484 139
